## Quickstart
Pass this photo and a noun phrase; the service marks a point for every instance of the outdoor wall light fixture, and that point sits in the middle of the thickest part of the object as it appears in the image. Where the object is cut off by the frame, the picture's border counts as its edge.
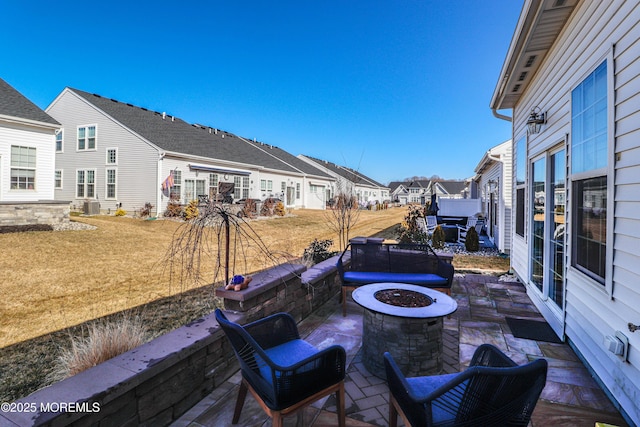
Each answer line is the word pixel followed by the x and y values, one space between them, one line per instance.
pixel 536 119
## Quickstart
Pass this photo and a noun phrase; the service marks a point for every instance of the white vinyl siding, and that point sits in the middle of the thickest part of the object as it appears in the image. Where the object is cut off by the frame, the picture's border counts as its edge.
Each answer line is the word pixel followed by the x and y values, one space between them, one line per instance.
pixel 137 159
pixel 595 32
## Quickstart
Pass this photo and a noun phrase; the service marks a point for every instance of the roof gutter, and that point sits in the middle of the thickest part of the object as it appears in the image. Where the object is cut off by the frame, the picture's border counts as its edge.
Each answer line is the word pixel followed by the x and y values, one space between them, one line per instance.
pixel 501 116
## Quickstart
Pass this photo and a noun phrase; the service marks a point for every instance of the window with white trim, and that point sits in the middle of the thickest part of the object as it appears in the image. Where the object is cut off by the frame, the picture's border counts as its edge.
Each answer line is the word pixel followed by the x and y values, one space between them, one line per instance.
pixel 111 180
pixel 112 156
pixel 59 141
pixel 263 185
pixel 176 190
pixel 85 184
pixel 213 185
pixel 87 137
pixel 57 179
pixel 589 168
pixel 23 168
pixel 521 173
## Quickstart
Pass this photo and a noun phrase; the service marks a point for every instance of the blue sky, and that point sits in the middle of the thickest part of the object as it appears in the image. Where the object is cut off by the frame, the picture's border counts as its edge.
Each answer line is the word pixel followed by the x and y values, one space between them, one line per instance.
pixel 393 88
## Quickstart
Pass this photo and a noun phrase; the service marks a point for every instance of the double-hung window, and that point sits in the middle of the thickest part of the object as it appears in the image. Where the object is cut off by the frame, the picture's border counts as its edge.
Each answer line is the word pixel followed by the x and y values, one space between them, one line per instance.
pixel 86 184
pixel 59 141
pixel 23 168
pixel 589 170
pixel 87 136
pixel 58 179
pixel 111 180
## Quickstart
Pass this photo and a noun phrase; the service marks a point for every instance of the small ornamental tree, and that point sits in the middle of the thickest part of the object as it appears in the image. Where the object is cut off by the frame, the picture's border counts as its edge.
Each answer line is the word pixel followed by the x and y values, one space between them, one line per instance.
pixel 411 231
pixel 472 244
pixel 438 238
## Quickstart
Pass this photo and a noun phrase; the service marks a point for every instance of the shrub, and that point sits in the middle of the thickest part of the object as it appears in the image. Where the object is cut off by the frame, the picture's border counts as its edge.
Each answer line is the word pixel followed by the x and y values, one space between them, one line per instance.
pixel 472 243
pixel 120 212
pixel 279 209
pixel 191 210
pixel 174 210
pixel 146 210
pixel 318 251
pixel 104 340
pixel 267 207
pixel 438 238
pixel 249 210
pixel 411 231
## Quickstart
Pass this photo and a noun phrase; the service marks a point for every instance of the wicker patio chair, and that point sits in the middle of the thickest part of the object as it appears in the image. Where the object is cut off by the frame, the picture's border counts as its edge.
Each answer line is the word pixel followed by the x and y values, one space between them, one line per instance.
pixel 493 391
pixel 283 372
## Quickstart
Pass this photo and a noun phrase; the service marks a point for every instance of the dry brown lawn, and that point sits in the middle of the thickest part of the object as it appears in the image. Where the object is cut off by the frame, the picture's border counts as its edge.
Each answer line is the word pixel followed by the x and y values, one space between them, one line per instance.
pixel 53 280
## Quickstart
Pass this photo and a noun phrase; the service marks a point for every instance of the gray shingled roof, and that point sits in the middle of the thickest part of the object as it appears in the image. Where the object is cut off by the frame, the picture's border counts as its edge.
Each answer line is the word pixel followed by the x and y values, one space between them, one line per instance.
pixel 290 159
pixel 453 187
pixel 14 104
pixel 175 135
pixel 347 173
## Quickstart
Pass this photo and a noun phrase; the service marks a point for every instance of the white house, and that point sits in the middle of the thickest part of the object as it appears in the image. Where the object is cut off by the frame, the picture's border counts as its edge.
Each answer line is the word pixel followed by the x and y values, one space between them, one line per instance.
pixel 494 182
pixel 366 189
pixel 27 143
pixel 572 80
pixel 121 155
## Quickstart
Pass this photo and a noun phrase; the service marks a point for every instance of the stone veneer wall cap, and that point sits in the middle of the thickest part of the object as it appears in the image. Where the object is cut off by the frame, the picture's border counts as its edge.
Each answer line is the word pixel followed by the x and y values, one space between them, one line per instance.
pixel 122 373
pixel 263 281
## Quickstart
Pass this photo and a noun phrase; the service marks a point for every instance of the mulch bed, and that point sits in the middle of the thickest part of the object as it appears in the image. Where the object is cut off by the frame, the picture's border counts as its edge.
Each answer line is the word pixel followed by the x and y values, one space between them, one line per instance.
pixel 26 227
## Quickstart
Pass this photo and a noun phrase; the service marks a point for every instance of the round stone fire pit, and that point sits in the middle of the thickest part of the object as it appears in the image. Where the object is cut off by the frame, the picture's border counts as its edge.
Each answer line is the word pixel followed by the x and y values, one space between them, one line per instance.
pixel 406 321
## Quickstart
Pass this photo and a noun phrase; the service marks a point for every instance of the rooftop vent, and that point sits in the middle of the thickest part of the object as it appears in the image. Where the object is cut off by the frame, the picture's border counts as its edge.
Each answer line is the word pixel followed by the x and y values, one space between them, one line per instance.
pixel 516 88
pixel 164 115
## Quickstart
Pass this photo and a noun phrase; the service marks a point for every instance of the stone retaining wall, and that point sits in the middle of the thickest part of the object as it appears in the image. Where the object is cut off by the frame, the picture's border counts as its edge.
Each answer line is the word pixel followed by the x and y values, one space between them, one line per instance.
pixel 157 382
pixel 29 213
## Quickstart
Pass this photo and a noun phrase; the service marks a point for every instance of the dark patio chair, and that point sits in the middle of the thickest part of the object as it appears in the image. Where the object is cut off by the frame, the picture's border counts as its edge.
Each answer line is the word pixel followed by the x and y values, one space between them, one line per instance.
pixel 283 372
pixel 493 391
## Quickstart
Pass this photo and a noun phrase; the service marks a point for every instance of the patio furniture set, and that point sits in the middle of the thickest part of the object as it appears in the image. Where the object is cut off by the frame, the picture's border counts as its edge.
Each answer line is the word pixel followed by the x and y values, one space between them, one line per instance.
pixel 285 373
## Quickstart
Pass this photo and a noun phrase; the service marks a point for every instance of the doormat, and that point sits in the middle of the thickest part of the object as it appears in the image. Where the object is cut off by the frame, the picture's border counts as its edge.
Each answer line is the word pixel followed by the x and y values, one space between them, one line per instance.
pixel 532 330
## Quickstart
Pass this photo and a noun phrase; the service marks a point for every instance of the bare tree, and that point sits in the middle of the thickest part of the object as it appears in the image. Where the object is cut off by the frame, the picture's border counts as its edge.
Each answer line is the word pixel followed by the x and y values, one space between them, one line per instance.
pixel 344 213
pixel 219 237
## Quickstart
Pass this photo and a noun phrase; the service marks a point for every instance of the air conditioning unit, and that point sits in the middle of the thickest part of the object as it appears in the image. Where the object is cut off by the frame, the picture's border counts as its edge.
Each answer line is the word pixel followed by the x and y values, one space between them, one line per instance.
pixel 91 208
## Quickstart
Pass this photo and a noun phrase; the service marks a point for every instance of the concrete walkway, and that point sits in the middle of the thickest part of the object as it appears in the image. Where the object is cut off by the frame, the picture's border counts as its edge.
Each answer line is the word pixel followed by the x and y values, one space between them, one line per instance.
pixel 571 397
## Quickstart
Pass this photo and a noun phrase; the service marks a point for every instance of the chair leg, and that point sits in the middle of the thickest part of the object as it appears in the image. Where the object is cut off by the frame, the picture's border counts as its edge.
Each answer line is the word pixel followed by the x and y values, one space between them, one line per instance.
pixel 276 419
pixel 340 405
pixel 393 413
pixel 242 394
pixel 344 301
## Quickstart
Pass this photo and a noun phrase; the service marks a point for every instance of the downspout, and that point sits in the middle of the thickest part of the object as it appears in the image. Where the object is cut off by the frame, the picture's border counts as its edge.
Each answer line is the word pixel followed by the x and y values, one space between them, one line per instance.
pixel 159 188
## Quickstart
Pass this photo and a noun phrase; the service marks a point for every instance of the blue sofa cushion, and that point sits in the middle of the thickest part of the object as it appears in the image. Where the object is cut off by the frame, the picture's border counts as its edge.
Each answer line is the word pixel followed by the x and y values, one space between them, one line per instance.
pixel 366 277
pixel 286 354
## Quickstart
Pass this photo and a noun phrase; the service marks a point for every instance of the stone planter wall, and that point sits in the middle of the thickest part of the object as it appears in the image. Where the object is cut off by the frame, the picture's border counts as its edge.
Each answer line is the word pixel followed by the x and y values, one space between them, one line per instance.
pixel 29 213
pixel 157 382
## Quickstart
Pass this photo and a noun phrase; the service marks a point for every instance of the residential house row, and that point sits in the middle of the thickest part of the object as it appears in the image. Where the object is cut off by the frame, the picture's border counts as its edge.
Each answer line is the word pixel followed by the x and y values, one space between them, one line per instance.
pixel 421 191
pixel 571 80
pixel 121 154
pixel 348 180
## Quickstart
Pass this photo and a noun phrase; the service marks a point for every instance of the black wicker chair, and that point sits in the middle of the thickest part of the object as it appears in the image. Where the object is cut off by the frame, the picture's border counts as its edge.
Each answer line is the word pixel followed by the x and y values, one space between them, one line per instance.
pixel 493 391
pixel 283 372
